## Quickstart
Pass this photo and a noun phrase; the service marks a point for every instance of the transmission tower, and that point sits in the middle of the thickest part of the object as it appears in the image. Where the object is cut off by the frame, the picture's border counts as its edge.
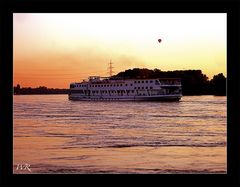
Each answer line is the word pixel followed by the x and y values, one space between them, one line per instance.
pixel 110 68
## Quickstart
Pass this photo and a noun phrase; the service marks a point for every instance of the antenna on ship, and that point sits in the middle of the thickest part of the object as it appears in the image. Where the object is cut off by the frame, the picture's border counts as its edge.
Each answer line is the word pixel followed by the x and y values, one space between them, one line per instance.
pixel 110 68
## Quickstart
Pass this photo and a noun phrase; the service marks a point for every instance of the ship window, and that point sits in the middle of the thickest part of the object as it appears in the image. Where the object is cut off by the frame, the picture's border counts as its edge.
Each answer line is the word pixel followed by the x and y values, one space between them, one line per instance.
pixel 120 84
pixel 101 85
pixel 135 81
pixel 135 87
pixel 117 84
pixel 151 87
pixel 146 87
pixel 142 81
pixel 132 91
pixel 146 81
pixel 142 87
pixel 138 87
pixel 138 81
pixel 151 81
pixel 126 84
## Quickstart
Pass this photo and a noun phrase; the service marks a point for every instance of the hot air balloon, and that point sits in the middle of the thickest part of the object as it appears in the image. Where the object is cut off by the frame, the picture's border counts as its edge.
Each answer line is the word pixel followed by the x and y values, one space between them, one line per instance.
pixel 159 40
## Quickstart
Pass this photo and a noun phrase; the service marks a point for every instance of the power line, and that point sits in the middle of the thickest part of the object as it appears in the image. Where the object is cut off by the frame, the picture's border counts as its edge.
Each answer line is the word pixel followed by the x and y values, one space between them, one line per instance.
pixel 60 74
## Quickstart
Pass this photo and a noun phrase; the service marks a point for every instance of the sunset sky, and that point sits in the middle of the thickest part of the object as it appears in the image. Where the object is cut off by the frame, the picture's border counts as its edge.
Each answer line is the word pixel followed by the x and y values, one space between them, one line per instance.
pixel 54 50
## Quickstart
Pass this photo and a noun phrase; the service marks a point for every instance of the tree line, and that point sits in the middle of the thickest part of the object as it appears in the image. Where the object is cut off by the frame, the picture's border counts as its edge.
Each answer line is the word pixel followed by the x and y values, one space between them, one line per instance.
pixel 194 82
pixel 39 90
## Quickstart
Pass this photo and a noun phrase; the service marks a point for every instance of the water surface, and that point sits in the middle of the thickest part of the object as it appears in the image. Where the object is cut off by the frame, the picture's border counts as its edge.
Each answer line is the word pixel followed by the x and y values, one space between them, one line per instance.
pixel 55 135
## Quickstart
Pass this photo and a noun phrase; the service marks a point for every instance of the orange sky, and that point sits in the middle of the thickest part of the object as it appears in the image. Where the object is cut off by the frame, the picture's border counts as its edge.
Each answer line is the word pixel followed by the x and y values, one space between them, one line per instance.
pixel 54 50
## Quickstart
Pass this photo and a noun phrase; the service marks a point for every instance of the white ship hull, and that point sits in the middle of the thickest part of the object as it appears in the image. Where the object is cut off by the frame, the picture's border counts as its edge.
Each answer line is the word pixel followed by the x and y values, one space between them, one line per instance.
pixel 127 98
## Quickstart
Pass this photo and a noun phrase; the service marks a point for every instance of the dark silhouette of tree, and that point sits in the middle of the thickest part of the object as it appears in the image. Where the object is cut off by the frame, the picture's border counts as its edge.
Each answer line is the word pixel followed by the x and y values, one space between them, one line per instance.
pixel 219 84
pixel 16 90
pixel 194 82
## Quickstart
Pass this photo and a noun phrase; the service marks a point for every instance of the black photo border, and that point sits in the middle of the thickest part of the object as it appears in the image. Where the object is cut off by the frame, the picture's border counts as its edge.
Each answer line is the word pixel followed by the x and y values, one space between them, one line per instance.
pixel 231 7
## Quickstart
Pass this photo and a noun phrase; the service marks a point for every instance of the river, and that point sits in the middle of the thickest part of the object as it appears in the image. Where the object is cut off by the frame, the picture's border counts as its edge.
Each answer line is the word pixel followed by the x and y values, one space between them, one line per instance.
pixel 55 135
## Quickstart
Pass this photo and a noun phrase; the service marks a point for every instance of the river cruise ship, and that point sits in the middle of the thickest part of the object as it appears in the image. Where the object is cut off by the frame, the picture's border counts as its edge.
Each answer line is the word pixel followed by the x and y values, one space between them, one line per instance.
pixel 118 89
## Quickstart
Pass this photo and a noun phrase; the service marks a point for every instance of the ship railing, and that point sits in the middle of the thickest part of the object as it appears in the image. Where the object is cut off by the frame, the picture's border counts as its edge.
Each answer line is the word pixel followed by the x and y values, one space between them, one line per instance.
pixel 171 85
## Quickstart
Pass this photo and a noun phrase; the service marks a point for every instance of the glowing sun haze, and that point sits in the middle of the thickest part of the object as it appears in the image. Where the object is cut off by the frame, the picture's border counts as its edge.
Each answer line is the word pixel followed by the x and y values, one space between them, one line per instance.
pixel 54 50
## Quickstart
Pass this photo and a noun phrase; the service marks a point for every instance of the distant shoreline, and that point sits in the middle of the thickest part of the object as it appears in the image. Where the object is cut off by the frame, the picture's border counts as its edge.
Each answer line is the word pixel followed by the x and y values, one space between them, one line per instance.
pixel 194 82
pixel 44 94
pixel 67 94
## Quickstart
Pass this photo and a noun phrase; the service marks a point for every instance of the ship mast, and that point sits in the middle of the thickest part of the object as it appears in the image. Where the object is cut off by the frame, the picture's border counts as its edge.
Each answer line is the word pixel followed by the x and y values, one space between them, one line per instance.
pixel 110 68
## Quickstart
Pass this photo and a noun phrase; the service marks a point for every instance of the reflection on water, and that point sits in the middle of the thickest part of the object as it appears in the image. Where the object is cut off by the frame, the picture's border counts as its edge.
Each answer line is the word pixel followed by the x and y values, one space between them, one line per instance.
pixel 55 135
